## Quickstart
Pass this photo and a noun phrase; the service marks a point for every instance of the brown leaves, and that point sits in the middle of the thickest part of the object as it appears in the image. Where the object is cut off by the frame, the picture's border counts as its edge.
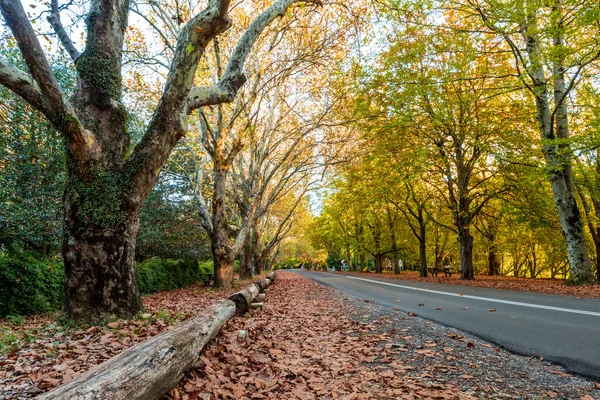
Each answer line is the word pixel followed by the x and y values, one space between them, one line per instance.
pixel 50 355
pixel 304 346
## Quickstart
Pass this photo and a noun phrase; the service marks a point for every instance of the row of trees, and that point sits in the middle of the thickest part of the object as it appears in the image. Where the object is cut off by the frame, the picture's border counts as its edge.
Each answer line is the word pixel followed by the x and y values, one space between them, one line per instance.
pixel 478 121
pixel 213 118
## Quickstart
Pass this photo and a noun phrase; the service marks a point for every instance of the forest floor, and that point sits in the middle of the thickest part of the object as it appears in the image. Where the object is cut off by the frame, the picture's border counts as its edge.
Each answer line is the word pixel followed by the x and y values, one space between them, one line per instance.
pixel 38 353
pixel 309 342
pixel 539 285
pixel 314 342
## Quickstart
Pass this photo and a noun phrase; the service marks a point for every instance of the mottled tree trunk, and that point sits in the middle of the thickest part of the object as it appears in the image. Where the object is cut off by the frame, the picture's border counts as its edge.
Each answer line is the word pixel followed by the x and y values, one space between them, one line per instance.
pixel 223 256
pixel 247 267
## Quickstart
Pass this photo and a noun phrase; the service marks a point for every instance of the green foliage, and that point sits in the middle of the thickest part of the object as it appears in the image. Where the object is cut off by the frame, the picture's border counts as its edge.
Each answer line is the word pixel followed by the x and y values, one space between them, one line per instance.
pixel 333 260
pixel 169 227
pixel 101 198
pixel 206 267
pixel 29 285
pixel 155 274
pixel 33 169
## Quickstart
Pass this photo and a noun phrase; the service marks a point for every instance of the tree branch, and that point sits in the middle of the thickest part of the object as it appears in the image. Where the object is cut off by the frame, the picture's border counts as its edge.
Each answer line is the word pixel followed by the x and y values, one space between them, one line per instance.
pixel 54 20
pixel 23 85
pixel 50 98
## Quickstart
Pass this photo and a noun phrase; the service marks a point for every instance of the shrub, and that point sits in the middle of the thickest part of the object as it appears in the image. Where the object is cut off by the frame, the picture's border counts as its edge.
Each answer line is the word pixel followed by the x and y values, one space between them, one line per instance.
pixel 29 285
pixel 155 274
pixel 32 286
pixel 206 267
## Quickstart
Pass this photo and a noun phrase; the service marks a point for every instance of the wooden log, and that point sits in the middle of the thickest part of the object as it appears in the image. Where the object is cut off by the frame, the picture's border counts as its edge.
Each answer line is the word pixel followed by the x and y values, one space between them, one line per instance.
pixel 149 370
pixel 248 294
pixel 245 297
pixel 266 281
pixel 257 305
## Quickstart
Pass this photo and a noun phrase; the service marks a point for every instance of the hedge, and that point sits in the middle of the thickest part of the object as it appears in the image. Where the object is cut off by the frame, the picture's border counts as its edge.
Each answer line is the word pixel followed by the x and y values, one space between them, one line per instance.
pixel 155 275
pixel 33 286
pixel 29 285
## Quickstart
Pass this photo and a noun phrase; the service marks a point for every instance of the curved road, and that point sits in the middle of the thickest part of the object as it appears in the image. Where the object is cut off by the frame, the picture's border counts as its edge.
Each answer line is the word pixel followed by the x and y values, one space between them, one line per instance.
pixel 562 329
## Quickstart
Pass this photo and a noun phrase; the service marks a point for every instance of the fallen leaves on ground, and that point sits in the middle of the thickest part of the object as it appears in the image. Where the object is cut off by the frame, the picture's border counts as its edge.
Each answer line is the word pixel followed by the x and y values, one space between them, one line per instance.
pixel 546 286
pixel 304 346
pixel 44 353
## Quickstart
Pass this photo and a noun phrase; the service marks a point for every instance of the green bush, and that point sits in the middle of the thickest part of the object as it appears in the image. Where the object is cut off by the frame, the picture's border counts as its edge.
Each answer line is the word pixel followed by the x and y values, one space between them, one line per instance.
pixel 32 286
pixel 155 274
pixel 206 267
pixel 29 285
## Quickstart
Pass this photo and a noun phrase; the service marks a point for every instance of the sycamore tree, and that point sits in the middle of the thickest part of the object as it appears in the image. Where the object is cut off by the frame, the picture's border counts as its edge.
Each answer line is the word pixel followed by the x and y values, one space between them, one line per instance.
pixel 107 181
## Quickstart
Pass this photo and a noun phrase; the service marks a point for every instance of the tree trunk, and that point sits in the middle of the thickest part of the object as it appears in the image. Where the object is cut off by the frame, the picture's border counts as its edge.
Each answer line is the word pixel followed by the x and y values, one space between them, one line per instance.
pixel 423 251
pixel 465 241
pixel 558 155
pixel 101 223
pixel 222 252
pixel 493 261
pixel 247 257
pixel 395 264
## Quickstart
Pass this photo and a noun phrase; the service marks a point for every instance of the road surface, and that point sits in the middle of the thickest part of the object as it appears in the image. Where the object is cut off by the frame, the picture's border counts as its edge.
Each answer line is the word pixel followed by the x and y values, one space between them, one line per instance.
pixel 562 329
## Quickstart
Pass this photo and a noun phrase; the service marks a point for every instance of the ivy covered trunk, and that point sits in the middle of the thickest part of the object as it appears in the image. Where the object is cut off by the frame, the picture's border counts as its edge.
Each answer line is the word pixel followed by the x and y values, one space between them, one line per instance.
pixel 101 225
pixel 223 255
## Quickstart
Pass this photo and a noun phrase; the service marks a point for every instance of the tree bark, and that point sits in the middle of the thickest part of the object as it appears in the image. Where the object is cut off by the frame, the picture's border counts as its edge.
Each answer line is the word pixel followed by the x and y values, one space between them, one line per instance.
pixel 423 251
pixel 101 226
pixel 395 261
pixel 247 257
pixel 465 241
pixel 222 252
pixel 493 261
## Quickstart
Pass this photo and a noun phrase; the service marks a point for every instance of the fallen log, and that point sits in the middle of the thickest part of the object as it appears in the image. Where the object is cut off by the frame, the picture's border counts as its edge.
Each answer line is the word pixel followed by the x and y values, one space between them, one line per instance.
pixel 152 368
pixel 245 297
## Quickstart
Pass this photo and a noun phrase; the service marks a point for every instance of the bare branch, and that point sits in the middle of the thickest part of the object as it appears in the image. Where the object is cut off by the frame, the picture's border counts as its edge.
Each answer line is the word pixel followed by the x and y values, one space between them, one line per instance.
pixel 54 20
pixel 54 103
pixel 22 84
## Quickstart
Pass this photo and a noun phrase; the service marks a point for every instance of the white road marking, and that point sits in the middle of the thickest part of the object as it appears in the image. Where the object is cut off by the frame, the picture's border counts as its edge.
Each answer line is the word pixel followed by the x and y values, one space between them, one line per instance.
pixel 466 296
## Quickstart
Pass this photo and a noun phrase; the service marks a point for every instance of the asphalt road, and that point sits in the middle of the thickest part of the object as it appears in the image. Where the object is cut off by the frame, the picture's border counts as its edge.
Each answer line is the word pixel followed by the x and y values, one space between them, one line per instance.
pixel 562 329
